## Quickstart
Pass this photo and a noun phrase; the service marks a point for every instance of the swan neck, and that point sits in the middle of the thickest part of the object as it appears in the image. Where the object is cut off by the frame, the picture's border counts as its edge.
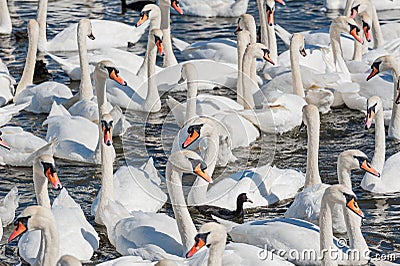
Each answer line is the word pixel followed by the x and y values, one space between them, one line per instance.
pixel 186 227
pixel 326 232
pixel 107 179
pixel 5 19
pixel 100 85
pixel 394 125
pixel 191 97
pixel 169 57
pixel 242 41
pixel 216 253
pixel 152 102
pixel 51 244
pixel 334 34
pixel 41 18
pixel 41 191
pixel 344 175
pixel 247 82
pixel 312 171
pixel 296 74
pixel 356 239
pixel 85 87
pixel 377 34
pixel 29 69
pixel 378 160
pixel 272 46
pixel 263 22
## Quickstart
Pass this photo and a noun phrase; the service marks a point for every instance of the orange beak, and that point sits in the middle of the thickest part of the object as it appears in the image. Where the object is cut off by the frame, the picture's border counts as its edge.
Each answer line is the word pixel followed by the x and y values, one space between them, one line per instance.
pixel 357 37
pixel 107 136
pixel 354 13
pixel 175 5
pixel 4 144
pixel 270 17
pixel 160 47
pixel 18 230
pixel 353 205
pixel 268 58
pixel 190 139
pixel 142 20
pixel 196 247
pixel 53 178
pixel 367 167
pixel 114 76
pixel 367 34
pixel 202 174
pixel 373 73
pixel 281 2
pixel 368 119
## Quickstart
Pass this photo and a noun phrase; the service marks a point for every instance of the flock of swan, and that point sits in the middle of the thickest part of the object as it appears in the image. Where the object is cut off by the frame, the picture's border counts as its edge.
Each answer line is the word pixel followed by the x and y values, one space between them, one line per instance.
pixel 320 70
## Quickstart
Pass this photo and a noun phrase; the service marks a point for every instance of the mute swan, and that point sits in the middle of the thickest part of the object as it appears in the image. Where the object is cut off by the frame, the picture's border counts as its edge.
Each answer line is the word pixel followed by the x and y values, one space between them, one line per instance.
pixel 218 8
pixel 282 113
pixel 8 205
pixel 108 34
pixel 307 203
pixel 284 233
pixel 264 185
pixel 385 183
pixel 77 236
pixel 384 63
pixel 5 19
pixel 156 236
pixel 6 83
pixel 40 97
pixel 77 136
pixel 313 92
pixel 213 235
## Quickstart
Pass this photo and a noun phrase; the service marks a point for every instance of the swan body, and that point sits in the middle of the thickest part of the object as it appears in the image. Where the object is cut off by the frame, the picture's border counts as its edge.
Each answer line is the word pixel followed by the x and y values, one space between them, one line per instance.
pixel 385 183
pixel 5 19
pixel 216 8
pixel 22 145
pixel 7 112
pixel 380 5
pixel 6 84
pixel 8 205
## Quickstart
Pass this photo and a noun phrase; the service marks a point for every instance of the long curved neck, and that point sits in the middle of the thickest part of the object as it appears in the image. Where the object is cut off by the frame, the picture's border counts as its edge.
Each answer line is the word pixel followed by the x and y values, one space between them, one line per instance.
pixel 312 172
pixel 29 69
pixel 186 228
pixel 40 185
pixel 191 98
pixel 378 160
pixel 344 175
pixel 376 27
pixel 198 193
pixel 296 74
pixel 334 34
pixel 247 82
pixel 85 87
pixel 356 238
pixel 152 101
pixel 394 126
pixel 100 84
pixel 326 232
pixel 169 58
pixel 5 19
pixel 41 18
pixel 263 22
pixel 51 244
pixel 272 46
pixel 215 253
pixel 358 47
pixel 347 9
pixel 242 41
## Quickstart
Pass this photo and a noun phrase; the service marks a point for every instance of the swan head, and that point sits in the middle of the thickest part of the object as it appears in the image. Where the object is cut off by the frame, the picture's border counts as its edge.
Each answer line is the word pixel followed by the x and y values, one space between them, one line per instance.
pixel 157 36
pixel 44 167
pixel 310 115
pixel 382 63
pixel 202 127
pixel 245 22
pixel 270 9
pixel 106 69
pixel 356 159
pixel 366 22
pixel 175 5
pixel 374 105
pixel 188 72
pixel 106 124
pixel 340 194
pixel 348 25
pixel 32 218
pixel 85 28
pixel 259 50
pixel 209 234
pixel 187 161
pixel 358 7
pixel 298 41
pixel 3 143
pixel 149 12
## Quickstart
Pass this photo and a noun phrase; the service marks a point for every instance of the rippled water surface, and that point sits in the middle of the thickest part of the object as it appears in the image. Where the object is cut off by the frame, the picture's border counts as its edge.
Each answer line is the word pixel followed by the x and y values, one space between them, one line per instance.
pixel 340 129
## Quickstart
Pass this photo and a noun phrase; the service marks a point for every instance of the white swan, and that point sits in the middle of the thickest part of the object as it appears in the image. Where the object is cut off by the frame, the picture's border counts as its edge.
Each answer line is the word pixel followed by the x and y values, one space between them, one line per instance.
pixel 5 19
pixel 284 233
pixel 307 203
pixel 7 112
pixel 217 8
pixel 213 235
pixel 380 4
pixel 314 91
pixel 6 84
pixel 108 34
pixel 40 97
pixel 388 168
pixel 155 236
pixel 8 205
pixel 77 236
pixel 380 64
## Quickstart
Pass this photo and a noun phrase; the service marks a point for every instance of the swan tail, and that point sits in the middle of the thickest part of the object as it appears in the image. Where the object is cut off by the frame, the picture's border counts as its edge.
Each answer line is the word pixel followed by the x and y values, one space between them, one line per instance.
pixel 10 201
pixel 283 34
pixel 57 110
pixel 65 65
pixel 64 200
pixel 151 171
pixel 179 44
pixel 13 108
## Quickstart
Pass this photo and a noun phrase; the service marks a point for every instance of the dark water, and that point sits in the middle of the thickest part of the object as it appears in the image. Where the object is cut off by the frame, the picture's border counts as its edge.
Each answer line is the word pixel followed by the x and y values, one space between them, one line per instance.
pixel 340 129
